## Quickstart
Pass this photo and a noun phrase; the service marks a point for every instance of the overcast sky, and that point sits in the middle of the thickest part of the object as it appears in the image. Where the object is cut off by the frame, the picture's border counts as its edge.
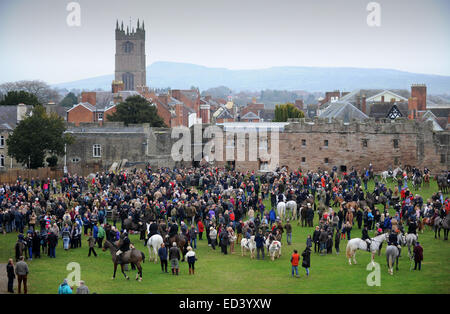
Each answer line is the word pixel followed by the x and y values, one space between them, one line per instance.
pixel 37 43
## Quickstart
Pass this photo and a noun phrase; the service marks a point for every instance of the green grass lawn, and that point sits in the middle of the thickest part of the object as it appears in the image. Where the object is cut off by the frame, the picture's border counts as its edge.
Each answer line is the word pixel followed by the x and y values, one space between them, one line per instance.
pixel 216 273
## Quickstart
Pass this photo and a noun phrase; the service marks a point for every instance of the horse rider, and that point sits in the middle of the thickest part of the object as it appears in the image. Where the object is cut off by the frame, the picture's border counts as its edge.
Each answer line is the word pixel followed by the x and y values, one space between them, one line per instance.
pixel 412 226
pixel 393 240
pixel 125 246
pixel 365 237
pixel 173 230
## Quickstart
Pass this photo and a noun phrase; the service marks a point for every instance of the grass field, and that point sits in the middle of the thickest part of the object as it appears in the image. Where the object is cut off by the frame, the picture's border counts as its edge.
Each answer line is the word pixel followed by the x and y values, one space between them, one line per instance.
pixel 217 273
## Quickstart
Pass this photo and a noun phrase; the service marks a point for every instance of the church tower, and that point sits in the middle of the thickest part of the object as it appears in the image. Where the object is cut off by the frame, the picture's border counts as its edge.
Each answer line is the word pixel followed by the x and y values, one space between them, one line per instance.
pixel 130 56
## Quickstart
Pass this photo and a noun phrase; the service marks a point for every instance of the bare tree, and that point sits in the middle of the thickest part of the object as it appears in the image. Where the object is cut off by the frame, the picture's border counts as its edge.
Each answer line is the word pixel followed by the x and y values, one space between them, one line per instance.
pixel 40 89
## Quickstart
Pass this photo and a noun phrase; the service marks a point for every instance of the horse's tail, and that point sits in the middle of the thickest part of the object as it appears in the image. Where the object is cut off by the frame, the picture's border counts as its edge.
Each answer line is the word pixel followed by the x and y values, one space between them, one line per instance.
pixel 390 261
pixel 143 257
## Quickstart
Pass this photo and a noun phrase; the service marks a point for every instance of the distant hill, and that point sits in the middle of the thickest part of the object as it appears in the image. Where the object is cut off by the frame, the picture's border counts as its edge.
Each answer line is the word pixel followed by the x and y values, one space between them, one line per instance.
pixel 312 79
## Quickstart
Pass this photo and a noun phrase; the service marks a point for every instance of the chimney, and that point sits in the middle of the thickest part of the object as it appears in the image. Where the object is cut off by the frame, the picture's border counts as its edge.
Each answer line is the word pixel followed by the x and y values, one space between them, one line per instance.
pixel 21 112
pixel 419 91
pixel 412 108
pixel 363 104
pixel 358 101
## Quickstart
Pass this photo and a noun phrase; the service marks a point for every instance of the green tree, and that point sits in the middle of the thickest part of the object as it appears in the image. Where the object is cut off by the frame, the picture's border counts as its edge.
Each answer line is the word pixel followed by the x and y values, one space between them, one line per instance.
pixel 36 136
pixel 13 98
pixel 69 100
pixel 283 112
pixel 136 110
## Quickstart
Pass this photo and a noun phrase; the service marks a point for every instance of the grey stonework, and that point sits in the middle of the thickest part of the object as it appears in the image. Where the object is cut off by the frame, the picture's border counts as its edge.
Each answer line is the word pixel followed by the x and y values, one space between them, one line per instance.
pixel 130 57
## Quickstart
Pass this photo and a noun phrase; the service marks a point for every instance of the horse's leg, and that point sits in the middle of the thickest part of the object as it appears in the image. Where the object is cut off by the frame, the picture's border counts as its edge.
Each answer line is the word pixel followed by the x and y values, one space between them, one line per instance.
pixel 123 272
pixel 149 254
pixel 115 269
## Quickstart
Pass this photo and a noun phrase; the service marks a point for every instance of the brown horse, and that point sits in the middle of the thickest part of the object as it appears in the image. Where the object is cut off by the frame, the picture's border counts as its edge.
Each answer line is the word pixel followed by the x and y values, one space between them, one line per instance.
pixel 426 180
pixel 133 256
pixel 20 248
pixel 181 242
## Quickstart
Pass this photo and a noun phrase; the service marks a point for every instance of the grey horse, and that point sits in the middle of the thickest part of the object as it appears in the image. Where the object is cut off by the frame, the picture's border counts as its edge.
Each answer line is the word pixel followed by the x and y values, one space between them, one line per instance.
pixel 392 254
pixel 439 224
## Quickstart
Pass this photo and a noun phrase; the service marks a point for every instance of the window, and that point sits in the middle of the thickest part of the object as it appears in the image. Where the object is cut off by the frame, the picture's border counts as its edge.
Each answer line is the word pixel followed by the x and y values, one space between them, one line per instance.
pixel 128 47
pixel 2 141
pixel 263 143
pixel 325 160
pixel 364 143
pixel 325 143
pixel 100 116
pixel 303 142
pixel 97 150
pixel 2 161
pixel 395 143
pixel 442 158
pixel 75 160
pixel 303 159
pixel 395 161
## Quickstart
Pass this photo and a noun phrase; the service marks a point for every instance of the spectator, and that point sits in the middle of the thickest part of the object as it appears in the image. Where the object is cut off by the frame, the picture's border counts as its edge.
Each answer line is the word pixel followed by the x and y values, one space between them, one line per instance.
pixel 162 253
pixel 174 256
pixel 213 237
pixel 11 275
pixel 82 289
pixel 91 242
pixel 306 260
pixel 294 262
pixel 418 255
pixel 191 258
pixel 64 288
pixel 259 239
pixel 22 274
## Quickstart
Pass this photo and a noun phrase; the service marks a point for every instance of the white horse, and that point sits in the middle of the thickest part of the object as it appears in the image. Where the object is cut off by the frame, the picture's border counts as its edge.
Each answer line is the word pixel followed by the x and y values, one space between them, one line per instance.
pixel 248 244
pixel 281 209
pixel 275 249
pixel 292 207
pixel 410 240
pixel 358 244
pixel 155 243
pixel 385 174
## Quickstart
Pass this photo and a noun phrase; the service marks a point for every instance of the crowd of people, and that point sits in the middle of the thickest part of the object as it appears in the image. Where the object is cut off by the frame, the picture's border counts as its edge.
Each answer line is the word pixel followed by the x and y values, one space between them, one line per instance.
pixel 221 205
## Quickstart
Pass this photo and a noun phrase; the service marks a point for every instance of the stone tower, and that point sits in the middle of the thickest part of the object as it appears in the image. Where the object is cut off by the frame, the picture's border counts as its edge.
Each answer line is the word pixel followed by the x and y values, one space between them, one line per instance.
pixel 130 56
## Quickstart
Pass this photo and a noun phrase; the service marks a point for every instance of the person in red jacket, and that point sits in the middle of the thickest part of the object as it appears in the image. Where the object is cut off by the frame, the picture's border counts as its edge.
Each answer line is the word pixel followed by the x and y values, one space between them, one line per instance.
pixel 201 228
pixel 294 262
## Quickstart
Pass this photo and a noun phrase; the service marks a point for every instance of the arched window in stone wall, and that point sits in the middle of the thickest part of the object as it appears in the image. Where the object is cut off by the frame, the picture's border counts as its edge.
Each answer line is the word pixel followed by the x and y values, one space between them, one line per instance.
pixel 128 81
pixel 128 47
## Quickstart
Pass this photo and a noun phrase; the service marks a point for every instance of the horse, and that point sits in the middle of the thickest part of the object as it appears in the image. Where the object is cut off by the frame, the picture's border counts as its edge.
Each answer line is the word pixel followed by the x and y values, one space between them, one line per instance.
pixel 129 224
pixel 417 181
pixel 154 242
pixel 442 223
pixel 248 244
pixel 392 254
pixel 358 244
pixel 426 180
pixel 442 182
pixel 410 240
pixel 302 216
pixel 20 248
pixel 281 209
pixel 275 249
pixel 133 256
pixel 291 206
pixel 181 242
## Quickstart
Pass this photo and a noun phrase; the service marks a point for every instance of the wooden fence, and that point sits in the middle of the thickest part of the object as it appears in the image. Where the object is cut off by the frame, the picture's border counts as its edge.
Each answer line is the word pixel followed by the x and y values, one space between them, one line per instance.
pixel 10 176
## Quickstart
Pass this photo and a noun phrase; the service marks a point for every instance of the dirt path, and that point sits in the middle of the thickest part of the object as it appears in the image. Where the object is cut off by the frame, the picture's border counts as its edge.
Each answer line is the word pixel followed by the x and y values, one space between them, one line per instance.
pixel 4 280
